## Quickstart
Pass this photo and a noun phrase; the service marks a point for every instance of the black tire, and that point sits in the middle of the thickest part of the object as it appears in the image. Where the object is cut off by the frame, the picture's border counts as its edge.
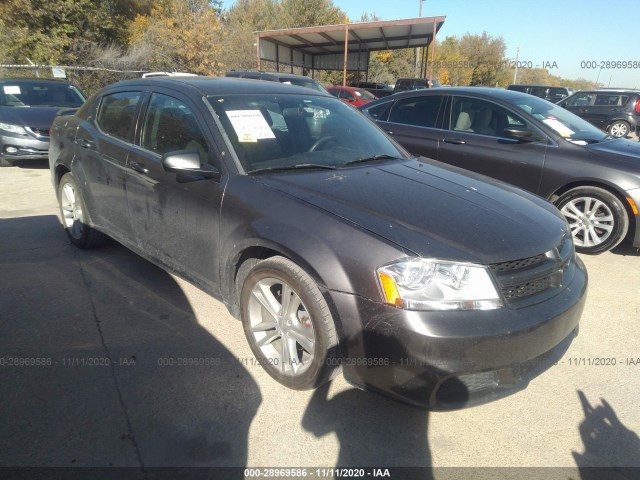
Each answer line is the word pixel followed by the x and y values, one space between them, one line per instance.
pixel 74 215
pixel 605 225
pixel 280 339
pixel 4 162
pixel 619 129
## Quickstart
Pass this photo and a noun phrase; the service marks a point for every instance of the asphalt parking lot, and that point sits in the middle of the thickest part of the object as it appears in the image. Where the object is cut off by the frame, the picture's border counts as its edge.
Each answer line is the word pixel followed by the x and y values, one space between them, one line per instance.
pixel 106 360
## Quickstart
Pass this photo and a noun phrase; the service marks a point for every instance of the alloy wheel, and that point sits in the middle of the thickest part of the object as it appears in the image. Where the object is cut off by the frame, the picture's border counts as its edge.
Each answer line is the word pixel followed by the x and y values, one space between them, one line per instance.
pixel 591 220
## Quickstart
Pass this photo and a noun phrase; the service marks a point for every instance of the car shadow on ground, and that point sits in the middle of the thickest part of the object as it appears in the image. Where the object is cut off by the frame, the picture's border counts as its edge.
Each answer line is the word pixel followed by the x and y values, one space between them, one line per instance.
pixel 626 250
pixel 108 365
pixel 39 164
pixel 607 443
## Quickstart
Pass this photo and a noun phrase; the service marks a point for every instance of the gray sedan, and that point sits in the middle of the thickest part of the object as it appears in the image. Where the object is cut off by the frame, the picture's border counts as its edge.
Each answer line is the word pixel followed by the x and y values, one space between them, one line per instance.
pixel 594 179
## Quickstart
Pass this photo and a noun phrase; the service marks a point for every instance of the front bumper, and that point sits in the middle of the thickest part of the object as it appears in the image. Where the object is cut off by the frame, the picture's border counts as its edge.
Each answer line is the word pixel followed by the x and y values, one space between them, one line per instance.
pixel 445 360
pixel 635 220
pixel 18 147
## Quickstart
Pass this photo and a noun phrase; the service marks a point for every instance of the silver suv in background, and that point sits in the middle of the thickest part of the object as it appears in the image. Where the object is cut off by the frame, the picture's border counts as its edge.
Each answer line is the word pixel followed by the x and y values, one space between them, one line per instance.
pixel 27 110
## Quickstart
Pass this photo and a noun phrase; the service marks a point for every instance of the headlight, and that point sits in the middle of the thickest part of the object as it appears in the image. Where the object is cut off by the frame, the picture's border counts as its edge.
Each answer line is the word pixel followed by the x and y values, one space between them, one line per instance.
pixel 428 284
pixel 8 127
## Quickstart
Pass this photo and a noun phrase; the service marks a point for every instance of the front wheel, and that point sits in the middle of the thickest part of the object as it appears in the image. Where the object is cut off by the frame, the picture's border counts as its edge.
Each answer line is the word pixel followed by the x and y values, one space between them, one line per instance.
pixel 619 129
pixel 597 218
pixel 288 324
pixel 75 216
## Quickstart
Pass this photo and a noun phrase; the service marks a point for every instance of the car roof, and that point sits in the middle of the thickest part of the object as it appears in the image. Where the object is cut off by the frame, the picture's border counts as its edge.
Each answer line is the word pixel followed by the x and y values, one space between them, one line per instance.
pixel 611 90
pixel 488 92
pixel 36 80
pixel 220 85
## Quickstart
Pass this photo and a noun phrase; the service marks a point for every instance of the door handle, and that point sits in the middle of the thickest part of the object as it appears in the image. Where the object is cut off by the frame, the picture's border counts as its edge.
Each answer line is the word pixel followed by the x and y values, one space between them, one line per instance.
pixel 84 143
pixel 389 132
pixel 138 167
pixel 455 141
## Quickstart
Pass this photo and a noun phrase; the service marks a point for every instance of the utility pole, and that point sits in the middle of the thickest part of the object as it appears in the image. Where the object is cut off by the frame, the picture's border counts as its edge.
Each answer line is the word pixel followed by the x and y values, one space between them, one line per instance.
pixel 515 75
pixel 418 51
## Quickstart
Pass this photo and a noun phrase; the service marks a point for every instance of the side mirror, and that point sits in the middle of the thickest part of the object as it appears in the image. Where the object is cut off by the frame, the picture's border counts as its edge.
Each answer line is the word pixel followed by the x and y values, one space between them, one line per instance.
pixel 520 133
pixel 188 162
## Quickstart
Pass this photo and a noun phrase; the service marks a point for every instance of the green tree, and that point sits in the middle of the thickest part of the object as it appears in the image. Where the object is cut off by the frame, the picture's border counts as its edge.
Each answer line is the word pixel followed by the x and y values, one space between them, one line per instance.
pixel 182 35
pixel 44 31
pixel 307 13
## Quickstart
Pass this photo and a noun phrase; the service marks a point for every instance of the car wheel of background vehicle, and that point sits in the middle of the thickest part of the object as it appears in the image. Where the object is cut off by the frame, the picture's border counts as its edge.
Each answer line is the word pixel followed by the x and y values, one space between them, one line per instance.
pixel 597 218
pixel 288 324
pixel 4 162
pixel 74 215
pixel 619 129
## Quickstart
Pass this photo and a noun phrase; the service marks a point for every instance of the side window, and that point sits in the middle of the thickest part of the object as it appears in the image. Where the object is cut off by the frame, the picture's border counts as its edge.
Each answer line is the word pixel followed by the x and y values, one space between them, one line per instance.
pixel 170 125
pixel 420 111
pixel 117 114
pixel 580 100
pixel 335 93
pixel 610 100
pixel 379 112
pixel 479 116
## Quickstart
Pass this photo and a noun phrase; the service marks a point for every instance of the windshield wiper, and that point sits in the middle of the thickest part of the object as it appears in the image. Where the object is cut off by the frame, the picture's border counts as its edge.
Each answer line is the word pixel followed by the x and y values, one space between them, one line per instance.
pixel 381 156
pixel 300 166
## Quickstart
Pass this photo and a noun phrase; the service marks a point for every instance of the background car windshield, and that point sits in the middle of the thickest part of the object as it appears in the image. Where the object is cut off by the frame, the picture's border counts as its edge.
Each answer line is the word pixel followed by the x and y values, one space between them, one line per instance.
pixel 365 95
pixel 34 94
pixel 280 131
pixel 302 82
pixel 564 122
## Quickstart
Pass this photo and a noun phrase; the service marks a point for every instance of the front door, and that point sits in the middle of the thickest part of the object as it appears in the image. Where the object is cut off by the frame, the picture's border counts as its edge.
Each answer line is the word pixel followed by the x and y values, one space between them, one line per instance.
pixel 175 217
pixel 475 140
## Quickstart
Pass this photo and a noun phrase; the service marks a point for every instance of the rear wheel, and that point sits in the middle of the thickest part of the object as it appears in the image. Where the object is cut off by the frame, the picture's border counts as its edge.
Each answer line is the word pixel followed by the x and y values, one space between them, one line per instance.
pixel 619 128
pixel 288 324
pixel 597 218
pixel 74 215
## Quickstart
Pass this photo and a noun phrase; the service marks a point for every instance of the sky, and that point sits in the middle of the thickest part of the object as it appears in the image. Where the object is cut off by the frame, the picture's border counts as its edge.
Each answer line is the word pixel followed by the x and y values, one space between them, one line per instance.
pixel 579 39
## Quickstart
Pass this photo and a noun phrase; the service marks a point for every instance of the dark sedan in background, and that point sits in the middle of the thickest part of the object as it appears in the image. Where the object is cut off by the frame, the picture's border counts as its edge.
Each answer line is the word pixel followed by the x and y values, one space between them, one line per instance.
pixel 594 179
pixel 331 243
pixel 27 110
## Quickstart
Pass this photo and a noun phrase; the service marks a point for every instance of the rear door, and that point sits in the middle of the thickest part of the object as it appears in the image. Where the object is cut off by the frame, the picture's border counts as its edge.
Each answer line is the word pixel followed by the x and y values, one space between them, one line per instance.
pixel 473 138
pixel 606 107
pixel 175 217
pixel 103 142
pixel 415 122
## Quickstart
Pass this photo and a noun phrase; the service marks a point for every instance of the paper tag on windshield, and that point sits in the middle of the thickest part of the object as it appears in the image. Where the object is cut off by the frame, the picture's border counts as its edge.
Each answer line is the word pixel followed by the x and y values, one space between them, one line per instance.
pixel 11 90
pixel 561 128
pixel 250 125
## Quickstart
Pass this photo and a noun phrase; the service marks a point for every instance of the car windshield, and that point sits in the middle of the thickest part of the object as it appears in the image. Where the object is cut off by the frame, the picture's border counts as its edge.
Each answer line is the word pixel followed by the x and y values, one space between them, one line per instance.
pixel 40 94
pixel 565 123
pixel 365 95
pixel 270 132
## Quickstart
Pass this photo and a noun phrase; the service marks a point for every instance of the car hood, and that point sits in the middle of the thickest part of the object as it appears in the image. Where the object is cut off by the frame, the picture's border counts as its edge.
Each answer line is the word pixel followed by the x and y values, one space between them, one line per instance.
pixel 35 117
pixel 625 150
pixel 432 210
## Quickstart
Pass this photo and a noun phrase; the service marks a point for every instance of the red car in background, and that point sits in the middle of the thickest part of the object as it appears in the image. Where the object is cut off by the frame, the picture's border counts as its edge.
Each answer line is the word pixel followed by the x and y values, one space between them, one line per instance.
pixel 351 95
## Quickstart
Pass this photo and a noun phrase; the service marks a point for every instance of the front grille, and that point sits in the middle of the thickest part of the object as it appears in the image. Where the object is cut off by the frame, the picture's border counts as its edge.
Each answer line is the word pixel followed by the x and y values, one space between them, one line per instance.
pixel 518 264
pixel 527 277
pixel 529 288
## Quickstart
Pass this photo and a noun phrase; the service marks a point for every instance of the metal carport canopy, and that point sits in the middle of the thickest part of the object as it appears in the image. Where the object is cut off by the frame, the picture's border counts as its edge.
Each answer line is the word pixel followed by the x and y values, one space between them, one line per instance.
pixel 346 46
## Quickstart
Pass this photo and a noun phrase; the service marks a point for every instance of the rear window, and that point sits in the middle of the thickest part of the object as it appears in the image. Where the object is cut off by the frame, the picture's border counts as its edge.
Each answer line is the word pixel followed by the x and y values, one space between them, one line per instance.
pixel 611 100
pixel 421 112
pixel 116 114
